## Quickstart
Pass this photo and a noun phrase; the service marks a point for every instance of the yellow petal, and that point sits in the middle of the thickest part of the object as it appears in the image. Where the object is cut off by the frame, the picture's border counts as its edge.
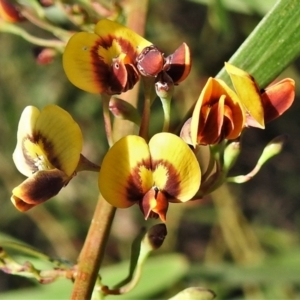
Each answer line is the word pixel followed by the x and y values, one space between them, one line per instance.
pixel 175 167
pixel 78 62
pixel 109 28
pixel 46 140
pixel 248 92
pixel 61 138
pixel 125 174
pixel 26 128
pixel 38 188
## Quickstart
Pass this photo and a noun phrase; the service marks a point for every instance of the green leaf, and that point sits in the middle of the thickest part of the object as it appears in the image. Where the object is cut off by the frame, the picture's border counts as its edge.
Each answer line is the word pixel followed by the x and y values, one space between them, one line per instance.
pixel 275 270
pixel 159 273
pixel 195 293
pixel 245 6
pixel 272 45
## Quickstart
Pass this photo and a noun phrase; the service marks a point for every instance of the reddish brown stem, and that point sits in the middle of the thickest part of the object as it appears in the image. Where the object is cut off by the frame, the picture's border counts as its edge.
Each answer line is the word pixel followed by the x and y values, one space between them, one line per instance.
pixel 93 250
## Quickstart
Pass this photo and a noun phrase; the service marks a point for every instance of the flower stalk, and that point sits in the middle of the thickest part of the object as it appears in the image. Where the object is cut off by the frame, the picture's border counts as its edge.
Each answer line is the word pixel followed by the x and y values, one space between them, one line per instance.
pixel 92 253
pixel 93 249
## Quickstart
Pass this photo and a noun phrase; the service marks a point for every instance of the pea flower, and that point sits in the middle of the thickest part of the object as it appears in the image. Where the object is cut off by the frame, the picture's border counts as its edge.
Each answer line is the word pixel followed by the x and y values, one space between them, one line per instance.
pixel 48 149
pixel 104 61
pixel 222 113
pixel 151 175
pixel 218 114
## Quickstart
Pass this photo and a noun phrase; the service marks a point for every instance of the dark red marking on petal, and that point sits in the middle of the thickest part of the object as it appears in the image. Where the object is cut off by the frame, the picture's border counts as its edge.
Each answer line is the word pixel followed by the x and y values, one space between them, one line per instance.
pixel 39 188
pixel 132 77
pixel 150 61
pixel 30 161
pixel 119 76
pixel 48 148
pixel 134 186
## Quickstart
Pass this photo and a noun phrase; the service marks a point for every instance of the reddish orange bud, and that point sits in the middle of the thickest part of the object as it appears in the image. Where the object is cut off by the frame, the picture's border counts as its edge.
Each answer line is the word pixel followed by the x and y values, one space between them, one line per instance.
pixel 44 56
pixel 276 99
pixel 9 12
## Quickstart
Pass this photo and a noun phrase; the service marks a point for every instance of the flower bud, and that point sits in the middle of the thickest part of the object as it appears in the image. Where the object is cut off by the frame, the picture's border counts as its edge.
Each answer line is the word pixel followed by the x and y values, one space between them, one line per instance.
pixel 231 153
pixel 195 293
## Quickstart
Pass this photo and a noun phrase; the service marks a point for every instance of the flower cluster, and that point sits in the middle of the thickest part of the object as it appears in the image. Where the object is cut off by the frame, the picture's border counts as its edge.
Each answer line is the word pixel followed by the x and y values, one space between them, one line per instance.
pixel 151 172
pixel 111 59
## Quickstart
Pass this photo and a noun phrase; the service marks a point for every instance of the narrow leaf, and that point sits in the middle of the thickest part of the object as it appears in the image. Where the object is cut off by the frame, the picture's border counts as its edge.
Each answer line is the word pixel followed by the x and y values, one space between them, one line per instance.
pixel 272 45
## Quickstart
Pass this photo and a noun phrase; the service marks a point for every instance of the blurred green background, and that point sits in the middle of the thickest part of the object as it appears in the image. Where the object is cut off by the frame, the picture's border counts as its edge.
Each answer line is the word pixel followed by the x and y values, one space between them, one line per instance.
pixel 243 243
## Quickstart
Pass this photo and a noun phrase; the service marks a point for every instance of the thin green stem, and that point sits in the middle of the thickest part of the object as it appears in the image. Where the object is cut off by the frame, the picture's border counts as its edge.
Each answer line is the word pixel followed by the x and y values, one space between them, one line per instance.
pixel 42 23
pixel 166 104
pixel 11 28
pixel 164 88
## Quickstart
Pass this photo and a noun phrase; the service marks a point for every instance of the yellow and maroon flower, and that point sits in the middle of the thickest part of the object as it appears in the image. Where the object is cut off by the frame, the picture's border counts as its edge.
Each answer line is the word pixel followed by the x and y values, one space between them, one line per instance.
pixel 151 175
pixel 221 113
pixel 48 149
pixel 104 61
pixel 218 115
